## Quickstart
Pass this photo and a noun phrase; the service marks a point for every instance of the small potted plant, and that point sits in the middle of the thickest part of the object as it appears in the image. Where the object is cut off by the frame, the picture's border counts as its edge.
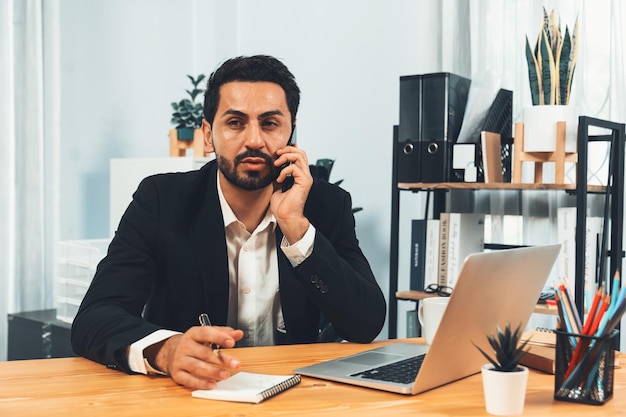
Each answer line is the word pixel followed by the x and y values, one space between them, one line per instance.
pixel 187 114
pixel 504 379
pixel 551 67
pixel 322 169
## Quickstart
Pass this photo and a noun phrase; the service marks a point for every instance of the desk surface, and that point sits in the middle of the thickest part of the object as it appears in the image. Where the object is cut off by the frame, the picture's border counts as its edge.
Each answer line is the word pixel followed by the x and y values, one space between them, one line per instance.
pixel 77 387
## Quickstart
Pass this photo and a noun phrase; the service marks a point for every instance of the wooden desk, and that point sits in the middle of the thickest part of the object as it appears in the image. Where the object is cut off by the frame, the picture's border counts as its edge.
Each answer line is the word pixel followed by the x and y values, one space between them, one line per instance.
pixel 78 387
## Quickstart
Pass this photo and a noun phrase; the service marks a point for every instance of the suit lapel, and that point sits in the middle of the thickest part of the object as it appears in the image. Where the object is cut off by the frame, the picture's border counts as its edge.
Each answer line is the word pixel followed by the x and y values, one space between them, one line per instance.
pixel 206 230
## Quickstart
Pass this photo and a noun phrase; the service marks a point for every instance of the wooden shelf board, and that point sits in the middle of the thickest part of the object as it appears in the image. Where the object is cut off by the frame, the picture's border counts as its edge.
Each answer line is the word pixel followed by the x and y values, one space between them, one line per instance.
pixel 493 186
pixel 414 295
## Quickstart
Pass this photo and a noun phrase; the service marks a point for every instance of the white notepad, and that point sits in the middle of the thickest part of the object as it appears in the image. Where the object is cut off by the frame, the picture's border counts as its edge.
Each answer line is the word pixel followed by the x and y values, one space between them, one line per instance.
pixel 249 387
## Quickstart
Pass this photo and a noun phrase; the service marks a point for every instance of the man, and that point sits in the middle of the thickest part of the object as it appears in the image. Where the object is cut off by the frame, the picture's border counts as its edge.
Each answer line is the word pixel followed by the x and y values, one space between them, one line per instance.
pixel 265 265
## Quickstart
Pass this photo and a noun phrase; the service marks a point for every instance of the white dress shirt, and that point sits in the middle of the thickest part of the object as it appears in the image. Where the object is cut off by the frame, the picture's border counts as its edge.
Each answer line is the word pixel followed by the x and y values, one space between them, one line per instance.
pixel 254 297
pixel 253 300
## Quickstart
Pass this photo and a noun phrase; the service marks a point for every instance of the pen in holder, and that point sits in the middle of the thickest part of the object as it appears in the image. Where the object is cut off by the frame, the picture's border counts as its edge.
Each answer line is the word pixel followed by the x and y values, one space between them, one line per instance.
pixel 584 367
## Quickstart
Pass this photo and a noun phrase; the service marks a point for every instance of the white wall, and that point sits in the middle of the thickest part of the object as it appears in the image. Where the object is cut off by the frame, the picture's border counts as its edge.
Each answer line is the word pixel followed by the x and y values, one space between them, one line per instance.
pixel 123 63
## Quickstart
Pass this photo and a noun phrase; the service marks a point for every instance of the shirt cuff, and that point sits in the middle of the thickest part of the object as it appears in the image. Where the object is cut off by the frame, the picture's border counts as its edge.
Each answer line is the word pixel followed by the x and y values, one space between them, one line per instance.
pixel 299 251
pixel 135 353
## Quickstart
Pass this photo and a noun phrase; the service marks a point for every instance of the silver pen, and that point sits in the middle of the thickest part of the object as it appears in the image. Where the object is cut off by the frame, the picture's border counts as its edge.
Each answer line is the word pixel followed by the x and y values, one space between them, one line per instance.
pixel 205 321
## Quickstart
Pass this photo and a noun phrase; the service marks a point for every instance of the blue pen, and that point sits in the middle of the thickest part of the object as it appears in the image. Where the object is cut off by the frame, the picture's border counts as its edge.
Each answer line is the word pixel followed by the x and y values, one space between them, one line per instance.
pixel 602 324
pixel 618 312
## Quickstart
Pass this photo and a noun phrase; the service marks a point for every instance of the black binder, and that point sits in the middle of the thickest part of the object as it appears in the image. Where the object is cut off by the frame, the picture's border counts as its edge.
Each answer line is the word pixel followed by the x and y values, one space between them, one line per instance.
pixel 444 97
pixel 407 144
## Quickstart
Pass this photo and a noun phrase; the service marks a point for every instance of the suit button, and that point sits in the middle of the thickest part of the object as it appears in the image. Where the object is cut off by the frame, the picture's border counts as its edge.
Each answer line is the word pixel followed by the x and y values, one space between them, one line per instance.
pixel 314 278
pixel 324 289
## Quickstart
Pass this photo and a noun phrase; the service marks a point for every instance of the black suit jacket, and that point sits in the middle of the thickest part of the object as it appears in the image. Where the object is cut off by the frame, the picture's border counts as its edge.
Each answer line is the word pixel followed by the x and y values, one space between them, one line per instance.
pixel 168 263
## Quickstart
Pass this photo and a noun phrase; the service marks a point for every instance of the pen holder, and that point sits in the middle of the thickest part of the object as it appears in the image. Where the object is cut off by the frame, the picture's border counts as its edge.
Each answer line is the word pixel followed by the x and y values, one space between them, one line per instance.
pixel 584 368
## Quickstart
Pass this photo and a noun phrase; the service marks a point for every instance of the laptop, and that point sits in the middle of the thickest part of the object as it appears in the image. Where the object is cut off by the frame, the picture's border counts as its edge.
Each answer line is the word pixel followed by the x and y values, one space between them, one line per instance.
pixel 493 289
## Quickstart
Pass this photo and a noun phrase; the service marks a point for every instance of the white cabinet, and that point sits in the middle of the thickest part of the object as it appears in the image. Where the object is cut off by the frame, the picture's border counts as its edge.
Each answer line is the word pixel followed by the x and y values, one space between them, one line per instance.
pixel 127 173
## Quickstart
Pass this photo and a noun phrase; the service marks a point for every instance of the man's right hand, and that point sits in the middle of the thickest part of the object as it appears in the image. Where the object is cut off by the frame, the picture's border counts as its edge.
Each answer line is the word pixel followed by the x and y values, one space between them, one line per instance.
pixel 191 358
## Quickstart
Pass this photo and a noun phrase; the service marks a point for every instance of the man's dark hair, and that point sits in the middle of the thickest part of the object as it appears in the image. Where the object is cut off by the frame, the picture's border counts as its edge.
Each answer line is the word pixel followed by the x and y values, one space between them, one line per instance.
pixel 256 68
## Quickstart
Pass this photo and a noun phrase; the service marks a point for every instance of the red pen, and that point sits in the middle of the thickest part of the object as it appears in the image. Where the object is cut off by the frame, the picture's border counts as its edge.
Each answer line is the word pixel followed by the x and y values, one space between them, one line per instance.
pixel 592 311
pixel 606 301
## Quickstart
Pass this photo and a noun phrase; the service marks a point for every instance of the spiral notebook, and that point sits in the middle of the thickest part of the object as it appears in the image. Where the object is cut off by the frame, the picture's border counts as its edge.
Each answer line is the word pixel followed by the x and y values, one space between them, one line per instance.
pixel 249 387
pixel 541 349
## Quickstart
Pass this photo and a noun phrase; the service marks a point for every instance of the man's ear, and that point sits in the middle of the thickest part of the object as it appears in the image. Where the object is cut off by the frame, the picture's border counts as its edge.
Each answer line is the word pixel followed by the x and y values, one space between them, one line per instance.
pixel 208 139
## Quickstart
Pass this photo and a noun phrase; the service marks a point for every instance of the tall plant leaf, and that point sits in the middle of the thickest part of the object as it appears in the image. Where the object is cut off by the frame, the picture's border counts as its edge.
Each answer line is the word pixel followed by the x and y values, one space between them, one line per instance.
pixel 546 22
pixel 572 60
pixel 547 70
pixel 533 70
pixel 554 33
pixel 563 68
pixel 538 60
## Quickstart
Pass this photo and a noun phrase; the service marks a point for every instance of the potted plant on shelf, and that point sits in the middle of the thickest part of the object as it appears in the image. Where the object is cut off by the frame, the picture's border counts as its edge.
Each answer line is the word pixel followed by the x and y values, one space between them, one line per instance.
pixel 551 67
pixel 504 379
pixel 322 169
pixel 187 119
pixel 187 114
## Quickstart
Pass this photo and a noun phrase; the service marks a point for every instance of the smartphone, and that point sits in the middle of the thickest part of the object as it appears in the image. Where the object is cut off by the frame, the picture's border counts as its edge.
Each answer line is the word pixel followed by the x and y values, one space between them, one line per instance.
pixel 288 182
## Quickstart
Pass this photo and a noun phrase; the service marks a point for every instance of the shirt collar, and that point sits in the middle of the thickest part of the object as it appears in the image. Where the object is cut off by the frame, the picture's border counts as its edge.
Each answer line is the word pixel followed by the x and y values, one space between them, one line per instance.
pixel 230 218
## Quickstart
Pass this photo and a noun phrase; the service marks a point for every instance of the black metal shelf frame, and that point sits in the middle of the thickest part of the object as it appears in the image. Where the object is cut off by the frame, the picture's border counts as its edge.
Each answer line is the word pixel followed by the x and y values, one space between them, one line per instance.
pixel 613 204
pixel 613 213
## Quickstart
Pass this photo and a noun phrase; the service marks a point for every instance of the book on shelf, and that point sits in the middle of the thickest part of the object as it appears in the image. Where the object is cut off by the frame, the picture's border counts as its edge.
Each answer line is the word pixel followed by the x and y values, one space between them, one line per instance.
pixel 442 269
pixel 418 254
pixel 566 235
pixel 432 252
pixel 248 387
pixel 412 328
pixel 592 250
pixel 466 235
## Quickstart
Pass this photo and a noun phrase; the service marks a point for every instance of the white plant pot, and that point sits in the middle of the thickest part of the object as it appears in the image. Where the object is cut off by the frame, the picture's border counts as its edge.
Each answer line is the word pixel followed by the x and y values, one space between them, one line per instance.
pixel 505 392
pixel 540 127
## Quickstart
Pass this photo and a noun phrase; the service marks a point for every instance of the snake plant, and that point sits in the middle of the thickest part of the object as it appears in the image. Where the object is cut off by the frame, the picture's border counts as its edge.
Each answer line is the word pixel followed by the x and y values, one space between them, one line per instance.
pixel 551 64
pixel 507 349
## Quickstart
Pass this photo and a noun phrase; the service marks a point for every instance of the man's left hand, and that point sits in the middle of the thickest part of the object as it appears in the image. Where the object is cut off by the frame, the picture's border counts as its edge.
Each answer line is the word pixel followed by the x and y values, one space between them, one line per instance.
pixel 288 206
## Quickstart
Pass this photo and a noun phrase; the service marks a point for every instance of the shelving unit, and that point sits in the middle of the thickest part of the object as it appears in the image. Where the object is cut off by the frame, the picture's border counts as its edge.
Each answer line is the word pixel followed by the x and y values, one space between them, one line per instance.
pixel 613 208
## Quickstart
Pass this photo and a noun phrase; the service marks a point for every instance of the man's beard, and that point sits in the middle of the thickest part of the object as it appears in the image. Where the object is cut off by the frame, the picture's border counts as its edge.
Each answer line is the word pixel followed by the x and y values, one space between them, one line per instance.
pixel 250 180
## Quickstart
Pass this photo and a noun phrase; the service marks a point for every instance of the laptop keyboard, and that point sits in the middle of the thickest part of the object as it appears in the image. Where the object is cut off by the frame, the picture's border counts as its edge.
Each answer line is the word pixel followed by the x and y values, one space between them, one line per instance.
pixel 402 372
